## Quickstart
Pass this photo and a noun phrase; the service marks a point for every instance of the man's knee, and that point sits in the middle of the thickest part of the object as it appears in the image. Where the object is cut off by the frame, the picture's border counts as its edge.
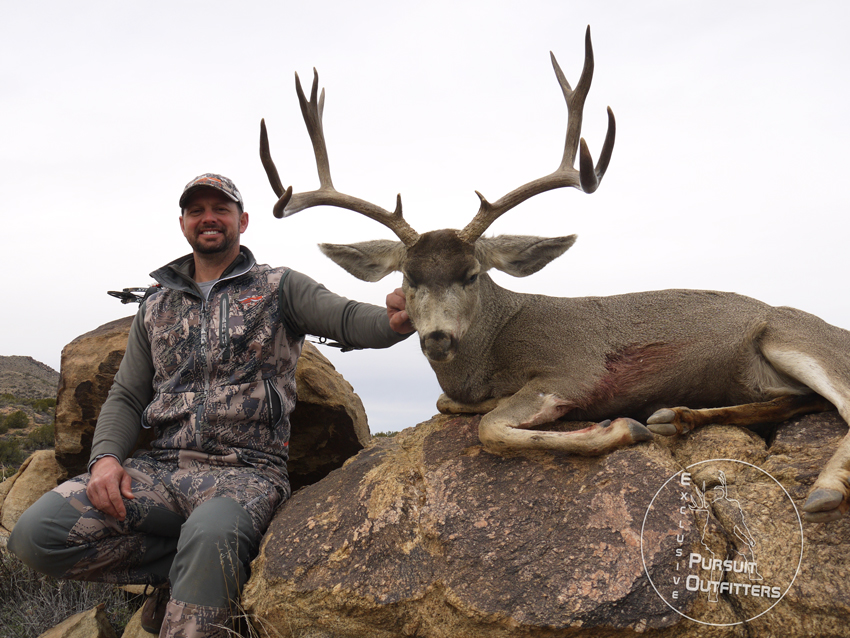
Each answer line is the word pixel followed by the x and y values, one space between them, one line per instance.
pixel 220 522
pixel 40 537
pixel 217 543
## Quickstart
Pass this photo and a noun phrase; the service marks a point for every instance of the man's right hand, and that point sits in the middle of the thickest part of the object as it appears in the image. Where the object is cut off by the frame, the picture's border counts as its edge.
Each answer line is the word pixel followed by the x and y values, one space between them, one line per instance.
pixel 399 319
pixel 108 483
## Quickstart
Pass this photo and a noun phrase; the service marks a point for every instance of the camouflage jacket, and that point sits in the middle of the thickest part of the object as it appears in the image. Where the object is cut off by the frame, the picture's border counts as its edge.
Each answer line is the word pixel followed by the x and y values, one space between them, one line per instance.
pixel 215 378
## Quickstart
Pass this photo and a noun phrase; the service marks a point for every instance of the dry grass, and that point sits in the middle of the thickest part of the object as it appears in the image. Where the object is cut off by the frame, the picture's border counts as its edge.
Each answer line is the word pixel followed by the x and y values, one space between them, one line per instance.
pixel 32 603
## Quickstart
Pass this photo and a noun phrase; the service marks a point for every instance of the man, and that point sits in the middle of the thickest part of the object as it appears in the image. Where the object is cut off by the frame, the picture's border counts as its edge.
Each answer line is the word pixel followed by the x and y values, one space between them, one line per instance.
pixel 210 365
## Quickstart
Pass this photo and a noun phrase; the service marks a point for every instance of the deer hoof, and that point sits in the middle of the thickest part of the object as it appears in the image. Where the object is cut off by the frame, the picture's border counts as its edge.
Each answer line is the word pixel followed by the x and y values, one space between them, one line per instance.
pixel 824 501
pixel 665 429
pixel 663 422
pixel 637 431
pixel 822 517
pixel 665 415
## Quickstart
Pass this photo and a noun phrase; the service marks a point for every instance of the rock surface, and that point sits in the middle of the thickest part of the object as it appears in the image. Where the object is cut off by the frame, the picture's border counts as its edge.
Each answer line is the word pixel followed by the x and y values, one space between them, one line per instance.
pixel 88 624
pixel 88 366
pixel 428 535
pixel 328 425
pixel 134 627
pixel 40 473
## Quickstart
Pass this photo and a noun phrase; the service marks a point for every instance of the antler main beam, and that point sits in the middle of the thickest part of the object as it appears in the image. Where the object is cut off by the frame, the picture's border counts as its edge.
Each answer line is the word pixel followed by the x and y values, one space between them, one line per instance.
pixel 586 178
pixel 326 195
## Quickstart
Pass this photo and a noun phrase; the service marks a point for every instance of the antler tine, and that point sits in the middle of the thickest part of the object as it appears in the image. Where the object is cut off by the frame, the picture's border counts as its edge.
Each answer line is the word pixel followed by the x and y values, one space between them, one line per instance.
pixel 586 178
pixel 271 172
pixel 326 194
pixel 312 112
pixel 575 100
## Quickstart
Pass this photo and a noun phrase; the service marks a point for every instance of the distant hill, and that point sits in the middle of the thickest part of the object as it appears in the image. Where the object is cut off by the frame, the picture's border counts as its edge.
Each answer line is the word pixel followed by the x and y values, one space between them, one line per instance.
pixel 27 378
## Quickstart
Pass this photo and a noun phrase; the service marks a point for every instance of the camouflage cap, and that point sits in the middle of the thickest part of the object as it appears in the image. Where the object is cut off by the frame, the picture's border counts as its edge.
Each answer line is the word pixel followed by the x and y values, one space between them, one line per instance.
pixel 212 180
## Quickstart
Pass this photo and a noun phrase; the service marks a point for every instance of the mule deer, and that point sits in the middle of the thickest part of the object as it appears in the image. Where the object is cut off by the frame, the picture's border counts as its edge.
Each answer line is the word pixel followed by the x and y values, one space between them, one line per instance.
pixel 527 360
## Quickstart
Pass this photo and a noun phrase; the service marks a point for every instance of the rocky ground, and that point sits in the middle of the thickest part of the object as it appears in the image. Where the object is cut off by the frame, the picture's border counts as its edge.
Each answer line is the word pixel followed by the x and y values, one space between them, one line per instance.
pixel 26 386
pixel 26 378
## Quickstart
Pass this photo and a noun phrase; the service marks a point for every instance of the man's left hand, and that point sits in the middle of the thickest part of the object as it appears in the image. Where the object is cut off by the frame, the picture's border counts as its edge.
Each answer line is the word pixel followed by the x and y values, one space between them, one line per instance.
pixel 399 319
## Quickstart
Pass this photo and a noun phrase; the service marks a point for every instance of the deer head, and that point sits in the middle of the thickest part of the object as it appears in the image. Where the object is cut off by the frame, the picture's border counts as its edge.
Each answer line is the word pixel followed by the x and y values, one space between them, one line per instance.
pixel 444 270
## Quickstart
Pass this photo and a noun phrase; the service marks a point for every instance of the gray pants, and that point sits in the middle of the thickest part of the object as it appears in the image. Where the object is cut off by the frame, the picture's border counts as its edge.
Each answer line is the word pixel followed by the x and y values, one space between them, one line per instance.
pixel 194 524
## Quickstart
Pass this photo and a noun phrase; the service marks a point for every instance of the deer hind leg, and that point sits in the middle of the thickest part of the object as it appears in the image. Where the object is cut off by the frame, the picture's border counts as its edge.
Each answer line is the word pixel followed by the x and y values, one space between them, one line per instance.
pixel 828 498
pixel 506 427
pixel 670 421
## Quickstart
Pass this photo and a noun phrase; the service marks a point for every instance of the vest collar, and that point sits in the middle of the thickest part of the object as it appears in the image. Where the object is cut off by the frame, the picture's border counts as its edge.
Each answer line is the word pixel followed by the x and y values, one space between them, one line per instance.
pixel 179 274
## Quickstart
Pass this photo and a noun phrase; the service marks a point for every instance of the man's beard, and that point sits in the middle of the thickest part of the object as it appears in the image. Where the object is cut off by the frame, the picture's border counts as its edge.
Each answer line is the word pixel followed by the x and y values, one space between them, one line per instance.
pixel 225 244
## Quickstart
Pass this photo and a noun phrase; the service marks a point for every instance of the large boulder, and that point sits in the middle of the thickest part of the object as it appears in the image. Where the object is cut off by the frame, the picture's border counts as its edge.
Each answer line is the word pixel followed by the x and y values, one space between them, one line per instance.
pixel 328 425
pixel 426 534
pixel 40 473
pixel 87 368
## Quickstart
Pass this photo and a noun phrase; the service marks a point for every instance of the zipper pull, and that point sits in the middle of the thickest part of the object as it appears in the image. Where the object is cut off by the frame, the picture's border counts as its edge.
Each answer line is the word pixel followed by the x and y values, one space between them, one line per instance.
pixel 203 325
pixel 224 327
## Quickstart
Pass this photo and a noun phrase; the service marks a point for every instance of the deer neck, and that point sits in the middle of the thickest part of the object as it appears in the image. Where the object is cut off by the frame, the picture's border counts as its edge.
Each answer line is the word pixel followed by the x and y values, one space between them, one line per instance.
pixel 460 378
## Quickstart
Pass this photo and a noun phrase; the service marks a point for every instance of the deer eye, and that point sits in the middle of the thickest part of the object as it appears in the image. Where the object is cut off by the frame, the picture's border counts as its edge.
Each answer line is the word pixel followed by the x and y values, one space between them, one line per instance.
pixel 409 281
pixel 471 279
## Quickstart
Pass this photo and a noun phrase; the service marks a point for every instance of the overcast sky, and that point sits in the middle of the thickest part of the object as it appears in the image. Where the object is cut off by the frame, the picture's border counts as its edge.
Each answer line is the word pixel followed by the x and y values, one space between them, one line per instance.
pixel 729 170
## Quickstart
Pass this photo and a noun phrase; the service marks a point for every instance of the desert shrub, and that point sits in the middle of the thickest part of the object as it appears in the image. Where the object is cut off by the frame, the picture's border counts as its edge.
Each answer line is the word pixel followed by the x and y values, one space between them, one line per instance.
pixel 385 434
pixel 17 420
pixel 31 603
pixel 6 398
pixel 3 427
pixel 11 457
pixel 42 437
pixel 41 405
pixel 10 452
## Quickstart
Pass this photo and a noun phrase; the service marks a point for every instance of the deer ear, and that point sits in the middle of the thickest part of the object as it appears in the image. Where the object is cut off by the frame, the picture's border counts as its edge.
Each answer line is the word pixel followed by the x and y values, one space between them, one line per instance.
pixel 368 260
pixel 520 255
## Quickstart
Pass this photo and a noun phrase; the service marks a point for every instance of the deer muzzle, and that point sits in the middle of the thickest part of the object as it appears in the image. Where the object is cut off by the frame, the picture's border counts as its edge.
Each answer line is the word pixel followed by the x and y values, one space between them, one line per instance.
pixel 439 345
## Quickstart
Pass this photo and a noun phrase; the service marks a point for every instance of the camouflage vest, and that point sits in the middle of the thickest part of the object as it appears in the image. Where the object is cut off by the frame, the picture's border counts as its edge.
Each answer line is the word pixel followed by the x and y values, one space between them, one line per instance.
pixel 224 371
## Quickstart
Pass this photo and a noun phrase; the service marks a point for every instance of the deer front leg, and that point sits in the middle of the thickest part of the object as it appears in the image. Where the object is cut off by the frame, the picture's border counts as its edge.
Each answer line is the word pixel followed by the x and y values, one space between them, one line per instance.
pixel 449 406
pixel 506 427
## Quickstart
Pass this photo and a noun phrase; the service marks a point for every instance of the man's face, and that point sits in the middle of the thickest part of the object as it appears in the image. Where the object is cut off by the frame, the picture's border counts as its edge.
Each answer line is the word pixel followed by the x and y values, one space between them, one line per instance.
pixel 212 223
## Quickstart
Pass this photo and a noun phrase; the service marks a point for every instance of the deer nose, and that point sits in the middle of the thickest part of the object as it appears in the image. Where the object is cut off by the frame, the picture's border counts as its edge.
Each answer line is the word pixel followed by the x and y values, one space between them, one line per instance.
pixel 439 345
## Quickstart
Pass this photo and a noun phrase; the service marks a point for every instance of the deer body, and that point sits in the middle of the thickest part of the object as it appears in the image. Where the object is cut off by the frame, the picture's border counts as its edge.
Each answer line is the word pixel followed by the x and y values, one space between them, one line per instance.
pixel 613 356
pixel 527 360
pixel 626 355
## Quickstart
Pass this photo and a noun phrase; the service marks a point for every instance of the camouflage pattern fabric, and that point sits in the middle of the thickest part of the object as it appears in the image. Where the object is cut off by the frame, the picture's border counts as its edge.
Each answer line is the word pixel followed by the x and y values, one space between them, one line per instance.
pixel 224 372
pixel 184 620
pixel 165 495
pixel 212 180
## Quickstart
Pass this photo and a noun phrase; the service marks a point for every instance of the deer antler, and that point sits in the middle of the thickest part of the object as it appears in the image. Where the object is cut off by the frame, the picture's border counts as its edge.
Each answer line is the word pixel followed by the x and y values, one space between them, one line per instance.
pixel 587 178
pixel 326 194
